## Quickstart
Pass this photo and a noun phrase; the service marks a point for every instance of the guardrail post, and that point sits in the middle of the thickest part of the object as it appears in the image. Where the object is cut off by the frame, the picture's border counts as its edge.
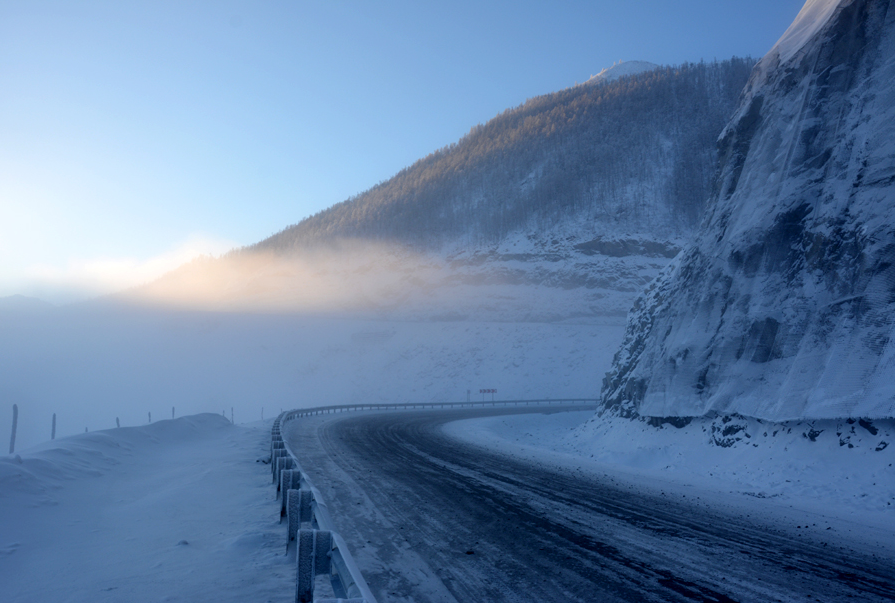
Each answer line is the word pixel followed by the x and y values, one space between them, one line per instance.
pixel 290 479
pixel 284 462
pixel 279 452
pixel 293 514
pixel 306 498
pixel 298 511
pixel 312 558
pixel 276 444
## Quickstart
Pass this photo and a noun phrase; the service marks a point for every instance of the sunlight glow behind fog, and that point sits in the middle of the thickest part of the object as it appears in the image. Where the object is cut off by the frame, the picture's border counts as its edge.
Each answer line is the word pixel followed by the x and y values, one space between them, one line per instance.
pixel 81 278
pixel 347 276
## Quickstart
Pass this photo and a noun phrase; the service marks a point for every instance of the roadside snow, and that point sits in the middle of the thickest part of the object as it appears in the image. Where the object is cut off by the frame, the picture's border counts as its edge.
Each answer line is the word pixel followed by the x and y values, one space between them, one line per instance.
pixel 784 475
pixel 174 511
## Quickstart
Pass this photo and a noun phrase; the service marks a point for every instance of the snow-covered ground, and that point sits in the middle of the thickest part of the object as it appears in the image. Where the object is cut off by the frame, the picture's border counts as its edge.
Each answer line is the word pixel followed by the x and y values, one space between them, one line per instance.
pixel 174 511
pixel 784 474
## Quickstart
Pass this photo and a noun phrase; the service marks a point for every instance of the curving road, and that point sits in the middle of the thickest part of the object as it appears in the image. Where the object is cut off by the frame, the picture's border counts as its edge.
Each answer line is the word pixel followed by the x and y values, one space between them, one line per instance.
pixel 431 519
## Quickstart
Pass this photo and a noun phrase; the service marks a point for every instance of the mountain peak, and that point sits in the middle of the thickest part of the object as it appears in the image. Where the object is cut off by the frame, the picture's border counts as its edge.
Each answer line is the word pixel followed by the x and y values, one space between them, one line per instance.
pixel 621 69
pixel 813 16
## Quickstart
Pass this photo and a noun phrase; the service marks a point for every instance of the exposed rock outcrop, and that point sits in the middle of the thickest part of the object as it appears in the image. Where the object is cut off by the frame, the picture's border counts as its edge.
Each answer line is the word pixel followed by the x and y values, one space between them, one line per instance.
pixel 784 306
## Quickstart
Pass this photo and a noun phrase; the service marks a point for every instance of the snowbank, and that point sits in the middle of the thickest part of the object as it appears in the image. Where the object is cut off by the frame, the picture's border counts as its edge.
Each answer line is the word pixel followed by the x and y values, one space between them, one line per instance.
pixel 840 471
pixel 174 511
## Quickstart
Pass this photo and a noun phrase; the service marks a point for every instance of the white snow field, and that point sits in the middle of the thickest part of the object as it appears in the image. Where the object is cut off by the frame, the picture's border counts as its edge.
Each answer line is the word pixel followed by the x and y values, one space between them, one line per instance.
pixel 174 511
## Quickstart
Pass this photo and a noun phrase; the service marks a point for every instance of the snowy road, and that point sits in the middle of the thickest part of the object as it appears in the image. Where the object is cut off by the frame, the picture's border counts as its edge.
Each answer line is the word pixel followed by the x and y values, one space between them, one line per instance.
pixel 430 519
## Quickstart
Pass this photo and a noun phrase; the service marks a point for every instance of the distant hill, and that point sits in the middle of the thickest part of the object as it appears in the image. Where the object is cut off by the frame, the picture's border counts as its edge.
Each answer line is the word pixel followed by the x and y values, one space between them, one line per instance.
pixel 563 208
pixel 634 156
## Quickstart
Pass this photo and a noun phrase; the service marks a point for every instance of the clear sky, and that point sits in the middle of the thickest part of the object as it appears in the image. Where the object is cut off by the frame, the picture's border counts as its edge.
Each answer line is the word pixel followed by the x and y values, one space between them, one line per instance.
pixel 134 135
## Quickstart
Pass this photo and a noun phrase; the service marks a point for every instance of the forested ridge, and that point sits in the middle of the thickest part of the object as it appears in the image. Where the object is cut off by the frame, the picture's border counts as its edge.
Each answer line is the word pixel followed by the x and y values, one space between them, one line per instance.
pixel 634 155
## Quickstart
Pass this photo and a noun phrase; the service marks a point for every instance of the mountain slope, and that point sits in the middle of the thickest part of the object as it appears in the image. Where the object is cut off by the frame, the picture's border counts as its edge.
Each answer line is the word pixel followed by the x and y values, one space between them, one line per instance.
pixel 633 156
pixel 783 306
pixel 561 209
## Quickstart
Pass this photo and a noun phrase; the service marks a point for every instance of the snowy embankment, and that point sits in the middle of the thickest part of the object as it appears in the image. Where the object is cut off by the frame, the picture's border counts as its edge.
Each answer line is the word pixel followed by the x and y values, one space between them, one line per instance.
pixel 774 470
pixel 174 511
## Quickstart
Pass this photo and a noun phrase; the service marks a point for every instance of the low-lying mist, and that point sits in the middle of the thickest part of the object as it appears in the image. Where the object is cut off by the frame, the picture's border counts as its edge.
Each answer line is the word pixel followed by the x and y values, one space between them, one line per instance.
pixel 376 280
pixel 350 276
pixel 361 323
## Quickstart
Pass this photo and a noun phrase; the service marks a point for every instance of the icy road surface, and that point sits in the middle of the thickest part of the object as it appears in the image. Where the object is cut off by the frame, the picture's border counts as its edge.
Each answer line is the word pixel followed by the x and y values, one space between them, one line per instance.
pixel 431 519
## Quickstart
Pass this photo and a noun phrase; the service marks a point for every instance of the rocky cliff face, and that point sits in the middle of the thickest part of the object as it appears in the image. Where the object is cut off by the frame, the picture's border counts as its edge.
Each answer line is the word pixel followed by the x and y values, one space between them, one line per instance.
pixel 784 305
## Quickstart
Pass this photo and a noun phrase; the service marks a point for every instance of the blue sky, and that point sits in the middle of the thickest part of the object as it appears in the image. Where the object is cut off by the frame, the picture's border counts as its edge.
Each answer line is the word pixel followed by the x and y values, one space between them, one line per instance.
pixel 137 134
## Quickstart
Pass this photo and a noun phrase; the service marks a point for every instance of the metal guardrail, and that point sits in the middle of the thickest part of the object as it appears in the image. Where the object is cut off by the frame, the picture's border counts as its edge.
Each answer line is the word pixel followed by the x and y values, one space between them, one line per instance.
pixel 319 550
pixel 306 412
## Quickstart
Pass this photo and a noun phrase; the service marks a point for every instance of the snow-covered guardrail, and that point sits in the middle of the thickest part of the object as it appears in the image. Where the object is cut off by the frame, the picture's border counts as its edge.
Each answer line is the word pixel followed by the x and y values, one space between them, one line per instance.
pixel 306 412
pixel 319 550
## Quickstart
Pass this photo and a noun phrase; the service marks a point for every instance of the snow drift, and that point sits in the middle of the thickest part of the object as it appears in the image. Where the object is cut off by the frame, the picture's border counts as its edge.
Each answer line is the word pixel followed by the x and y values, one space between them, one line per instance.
pixel 782 308
pixel 171 511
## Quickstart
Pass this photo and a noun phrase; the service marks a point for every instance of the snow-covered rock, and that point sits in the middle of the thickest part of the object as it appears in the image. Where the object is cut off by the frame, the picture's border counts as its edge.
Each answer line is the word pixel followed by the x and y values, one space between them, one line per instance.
pixel 784 306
